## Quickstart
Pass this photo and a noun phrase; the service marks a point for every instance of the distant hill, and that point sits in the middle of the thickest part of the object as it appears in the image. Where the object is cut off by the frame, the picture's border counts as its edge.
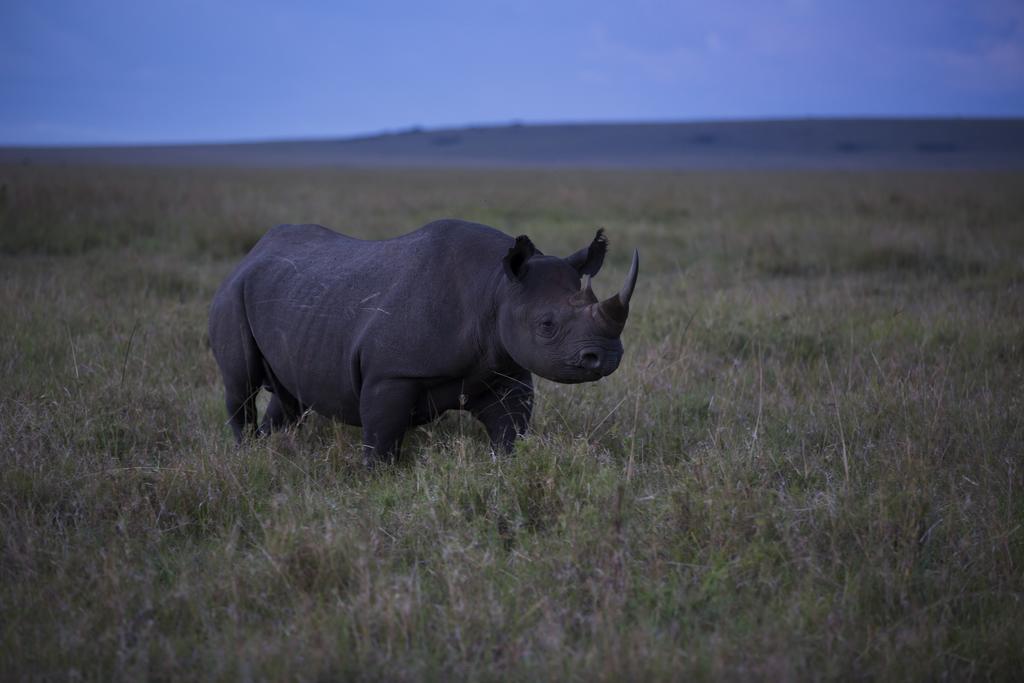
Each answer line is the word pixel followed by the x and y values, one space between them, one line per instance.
pixel 782 144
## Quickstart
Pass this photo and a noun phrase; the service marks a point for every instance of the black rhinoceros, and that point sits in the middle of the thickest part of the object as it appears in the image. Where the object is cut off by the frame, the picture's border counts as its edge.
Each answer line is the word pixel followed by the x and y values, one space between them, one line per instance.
pixel 390 334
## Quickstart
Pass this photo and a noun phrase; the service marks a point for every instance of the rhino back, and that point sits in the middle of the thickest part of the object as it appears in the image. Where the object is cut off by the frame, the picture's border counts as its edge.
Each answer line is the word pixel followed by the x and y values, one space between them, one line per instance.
pixel 328 311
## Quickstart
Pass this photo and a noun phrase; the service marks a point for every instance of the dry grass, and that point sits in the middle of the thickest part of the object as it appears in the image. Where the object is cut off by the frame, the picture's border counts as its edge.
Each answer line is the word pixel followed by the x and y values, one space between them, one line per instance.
pixel 809 464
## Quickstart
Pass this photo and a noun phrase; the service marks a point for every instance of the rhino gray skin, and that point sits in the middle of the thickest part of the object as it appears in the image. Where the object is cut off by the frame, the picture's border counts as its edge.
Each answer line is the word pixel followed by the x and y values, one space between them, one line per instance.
pixel 390 334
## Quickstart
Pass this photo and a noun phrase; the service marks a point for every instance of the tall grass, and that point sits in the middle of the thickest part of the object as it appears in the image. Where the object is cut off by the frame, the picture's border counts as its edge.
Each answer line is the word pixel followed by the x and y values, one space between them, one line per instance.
pixel 808 465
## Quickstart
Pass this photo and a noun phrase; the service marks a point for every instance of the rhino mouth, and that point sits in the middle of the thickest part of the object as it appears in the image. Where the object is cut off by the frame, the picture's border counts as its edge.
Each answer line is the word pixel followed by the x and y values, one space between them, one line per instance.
pixel 575 375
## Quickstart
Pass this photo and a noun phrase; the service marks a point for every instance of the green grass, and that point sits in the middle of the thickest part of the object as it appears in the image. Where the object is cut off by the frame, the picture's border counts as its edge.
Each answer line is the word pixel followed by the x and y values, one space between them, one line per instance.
pixel 808 465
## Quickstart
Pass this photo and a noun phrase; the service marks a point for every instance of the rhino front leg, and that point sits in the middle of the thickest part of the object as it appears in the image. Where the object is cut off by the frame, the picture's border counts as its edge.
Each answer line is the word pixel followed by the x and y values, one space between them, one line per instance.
pixel 505 409
pixel 385 410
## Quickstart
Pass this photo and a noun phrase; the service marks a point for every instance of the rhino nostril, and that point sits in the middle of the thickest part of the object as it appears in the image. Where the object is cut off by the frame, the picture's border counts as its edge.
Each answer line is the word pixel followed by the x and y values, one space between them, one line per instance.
pixel 591 359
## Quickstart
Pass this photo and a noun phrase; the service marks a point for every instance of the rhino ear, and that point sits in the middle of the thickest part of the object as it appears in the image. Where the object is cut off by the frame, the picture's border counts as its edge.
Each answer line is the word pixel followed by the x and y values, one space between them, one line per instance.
pixel 588 261
pixel 515 261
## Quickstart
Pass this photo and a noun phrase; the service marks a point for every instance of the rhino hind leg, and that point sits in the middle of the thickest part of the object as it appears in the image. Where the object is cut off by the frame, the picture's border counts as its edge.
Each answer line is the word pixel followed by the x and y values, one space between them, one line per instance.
pixel 241 367
pixel 240 399
pixel 386 410
pixel 283 411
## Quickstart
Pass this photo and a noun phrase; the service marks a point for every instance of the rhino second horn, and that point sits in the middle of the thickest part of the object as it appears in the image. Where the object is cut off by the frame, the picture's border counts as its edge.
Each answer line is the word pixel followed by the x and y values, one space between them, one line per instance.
pixel 584 297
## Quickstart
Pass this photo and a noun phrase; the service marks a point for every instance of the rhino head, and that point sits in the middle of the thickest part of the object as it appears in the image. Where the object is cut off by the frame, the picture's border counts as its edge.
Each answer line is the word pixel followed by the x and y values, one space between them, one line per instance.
pixel 554 325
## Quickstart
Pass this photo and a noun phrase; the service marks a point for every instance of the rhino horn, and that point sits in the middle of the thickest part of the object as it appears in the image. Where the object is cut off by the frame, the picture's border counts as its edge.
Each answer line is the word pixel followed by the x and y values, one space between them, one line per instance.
pixel 586 296
pixel 626 293
pixel 616 307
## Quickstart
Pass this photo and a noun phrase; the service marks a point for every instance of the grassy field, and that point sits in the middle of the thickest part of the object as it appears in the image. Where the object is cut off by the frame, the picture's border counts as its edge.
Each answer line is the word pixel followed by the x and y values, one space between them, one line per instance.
pixel 808 465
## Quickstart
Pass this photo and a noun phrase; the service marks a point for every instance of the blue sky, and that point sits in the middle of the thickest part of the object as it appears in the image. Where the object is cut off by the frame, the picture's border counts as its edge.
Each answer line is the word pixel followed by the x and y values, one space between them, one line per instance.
pixel 152 71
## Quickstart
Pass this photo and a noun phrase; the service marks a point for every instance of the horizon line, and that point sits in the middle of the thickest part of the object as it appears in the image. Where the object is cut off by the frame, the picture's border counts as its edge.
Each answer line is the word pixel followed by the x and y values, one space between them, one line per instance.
pixel 415 129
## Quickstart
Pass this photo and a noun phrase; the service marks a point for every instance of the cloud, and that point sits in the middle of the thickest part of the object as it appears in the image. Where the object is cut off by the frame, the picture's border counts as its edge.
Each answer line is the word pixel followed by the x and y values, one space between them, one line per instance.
pixel 994 60
pixel 998 66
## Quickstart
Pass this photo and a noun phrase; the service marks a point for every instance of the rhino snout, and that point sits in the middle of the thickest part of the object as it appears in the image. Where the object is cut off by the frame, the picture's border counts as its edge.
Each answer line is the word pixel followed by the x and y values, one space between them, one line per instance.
pixel 600 360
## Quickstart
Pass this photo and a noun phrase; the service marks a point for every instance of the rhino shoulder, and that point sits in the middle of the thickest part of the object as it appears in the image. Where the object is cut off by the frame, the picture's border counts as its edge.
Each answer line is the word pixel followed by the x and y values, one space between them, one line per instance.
pixel 306 232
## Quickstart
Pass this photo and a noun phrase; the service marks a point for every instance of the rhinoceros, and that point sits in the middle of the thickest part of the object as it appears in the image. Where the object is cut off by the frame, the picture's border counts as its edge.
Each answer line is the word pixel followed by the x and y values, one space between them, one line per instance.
pixel 390 334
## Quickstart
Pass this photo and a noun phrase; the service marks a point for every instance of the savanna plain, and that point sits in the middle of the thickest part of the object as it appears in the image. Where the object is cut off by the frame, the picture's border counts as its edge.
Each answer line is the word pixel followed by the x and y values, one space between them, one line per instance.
pixel 807 466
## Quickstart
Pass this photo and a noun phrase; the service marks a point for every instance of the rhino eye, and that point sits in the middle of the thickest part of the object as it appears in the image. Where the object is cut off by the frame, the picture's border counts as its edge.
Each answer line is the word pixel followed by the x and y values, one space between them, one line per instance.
pixel 546 327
